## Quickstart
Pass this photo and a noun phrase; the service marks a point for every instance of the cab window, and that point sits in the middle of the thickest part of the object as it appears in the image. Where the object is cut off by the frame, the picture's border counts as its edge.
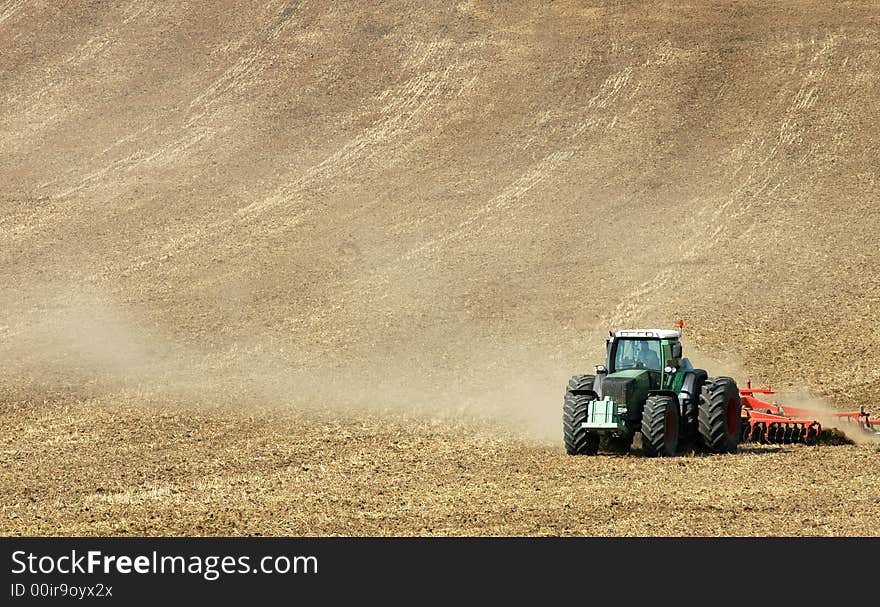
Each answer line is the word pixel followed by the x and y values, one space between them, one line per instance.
pixel 637 354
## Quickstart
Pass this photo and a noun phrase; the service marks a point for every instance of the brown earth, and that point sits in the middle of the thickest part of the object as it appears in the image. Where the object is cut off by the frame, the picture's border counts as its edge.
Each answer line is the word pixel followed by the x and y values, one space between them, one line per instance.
pixel 323 268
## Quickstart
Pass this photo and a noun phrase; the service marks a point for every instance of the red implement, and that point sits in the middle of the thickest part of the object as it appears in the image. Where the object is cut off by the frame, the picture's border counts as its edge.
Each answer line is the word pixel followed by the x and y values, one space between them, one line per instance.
pixel 775 423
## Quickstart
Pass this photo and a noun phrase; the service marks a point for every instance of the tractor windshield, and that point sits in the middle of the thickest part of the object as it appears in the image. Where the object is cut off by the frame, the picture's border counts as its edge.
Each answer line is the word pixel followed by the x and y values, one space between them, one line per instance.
pixel 637 354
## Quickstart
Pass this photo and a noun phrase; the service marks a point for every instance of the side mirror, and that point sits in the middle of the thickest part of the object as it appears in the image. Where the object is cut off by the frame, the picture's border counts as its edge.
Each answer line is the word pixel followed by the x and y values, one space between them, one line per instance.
pixel 601 369
pixel 676 350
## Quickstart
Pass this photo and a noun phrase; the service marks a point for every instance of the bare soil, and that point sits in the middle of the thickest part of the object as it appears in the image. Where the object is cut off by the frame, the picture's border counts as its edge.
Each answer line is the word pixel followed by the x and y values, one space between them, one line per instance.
pixel 278 267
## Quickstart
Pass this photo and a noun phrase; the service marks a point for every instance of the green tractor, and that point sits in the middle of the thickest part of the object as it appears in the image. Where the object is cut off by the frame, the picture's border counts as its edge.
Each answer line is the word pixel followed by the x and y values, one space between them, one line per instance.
pixel 646 386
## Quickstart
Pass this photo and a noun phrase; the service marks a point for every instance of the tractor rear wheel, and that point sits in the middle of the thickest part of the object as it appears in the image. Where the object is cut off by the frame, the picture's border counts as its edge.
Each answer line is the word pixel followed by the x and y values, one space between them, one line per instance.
pixel 660 426
pixel 575 411
pixel 719 415
pixel 580 382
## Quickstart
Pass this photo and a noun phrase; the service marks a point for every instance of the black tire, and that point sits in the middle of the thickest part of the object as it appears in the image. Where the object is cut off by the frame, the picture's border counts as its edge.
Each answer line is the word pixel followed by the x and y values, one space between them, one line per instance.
pixel 575 410
pixel 616 444
pixel 719 415
pixel 580 382
pixel 660 426
pixel 694 387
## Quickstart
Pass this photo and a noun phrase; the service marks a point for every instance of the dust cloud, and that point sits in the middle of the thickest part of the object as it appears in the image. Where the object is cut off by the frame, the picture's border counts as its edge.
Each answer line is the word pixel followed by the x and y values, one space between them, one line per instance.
pixel 81 342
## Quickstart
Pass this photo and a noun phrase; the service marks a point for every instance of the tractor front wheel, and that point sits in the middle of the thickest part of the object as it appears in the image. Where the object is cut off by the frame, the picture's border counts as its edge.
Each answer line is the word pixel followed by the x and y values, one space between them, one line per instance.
pixel 576 411
pixel 580 382
pixel 719 415
pixel 660 426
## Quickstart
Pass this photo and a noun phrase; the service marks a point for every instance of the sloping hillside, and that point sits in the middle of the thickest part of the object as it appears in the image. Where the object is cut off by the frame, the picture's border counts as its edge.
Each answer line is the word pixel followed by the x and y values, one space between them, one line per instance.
pixel 424 206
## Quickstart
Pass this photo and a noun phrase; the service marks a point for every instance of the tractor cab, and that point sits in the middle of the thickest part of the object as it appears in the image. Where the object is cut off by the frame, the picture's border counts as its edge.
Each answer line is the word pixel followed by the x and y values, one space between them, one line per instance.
pixel 654 352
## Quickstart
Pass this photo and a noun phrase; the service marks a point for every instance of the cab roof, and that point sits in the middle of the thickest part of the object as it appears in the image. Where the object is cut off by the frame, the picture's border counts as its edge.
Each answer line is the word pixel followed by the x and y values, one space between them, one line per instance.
pixel 648 333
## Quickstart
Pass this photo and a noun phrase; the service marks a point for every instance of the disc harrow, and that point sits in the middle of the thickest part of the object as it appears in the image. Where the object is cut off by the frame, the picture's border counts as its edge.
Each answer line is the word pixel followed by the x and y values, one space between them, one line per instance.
pixel 765 422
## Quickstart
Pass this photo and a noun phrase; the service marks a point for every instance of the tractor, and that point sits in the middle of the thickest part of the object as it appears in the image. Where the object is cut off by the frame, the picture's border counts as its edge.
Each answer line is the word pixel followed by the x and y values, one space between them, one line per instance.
pixel 646 386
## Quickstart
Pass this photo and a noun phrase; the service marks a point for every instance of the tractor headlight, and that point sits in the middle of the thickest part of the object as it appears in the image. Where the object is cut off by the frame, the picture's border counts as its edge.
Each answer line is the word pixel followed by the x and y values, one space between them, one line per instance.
pixel 670 369
pixel 601 369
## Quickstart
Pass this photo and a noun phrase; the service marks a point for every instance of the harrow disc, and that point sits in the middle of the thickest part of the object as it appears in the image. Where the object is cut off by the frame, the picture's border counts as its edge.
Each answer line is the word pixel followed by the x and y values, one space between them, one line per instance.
pixel 759 433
